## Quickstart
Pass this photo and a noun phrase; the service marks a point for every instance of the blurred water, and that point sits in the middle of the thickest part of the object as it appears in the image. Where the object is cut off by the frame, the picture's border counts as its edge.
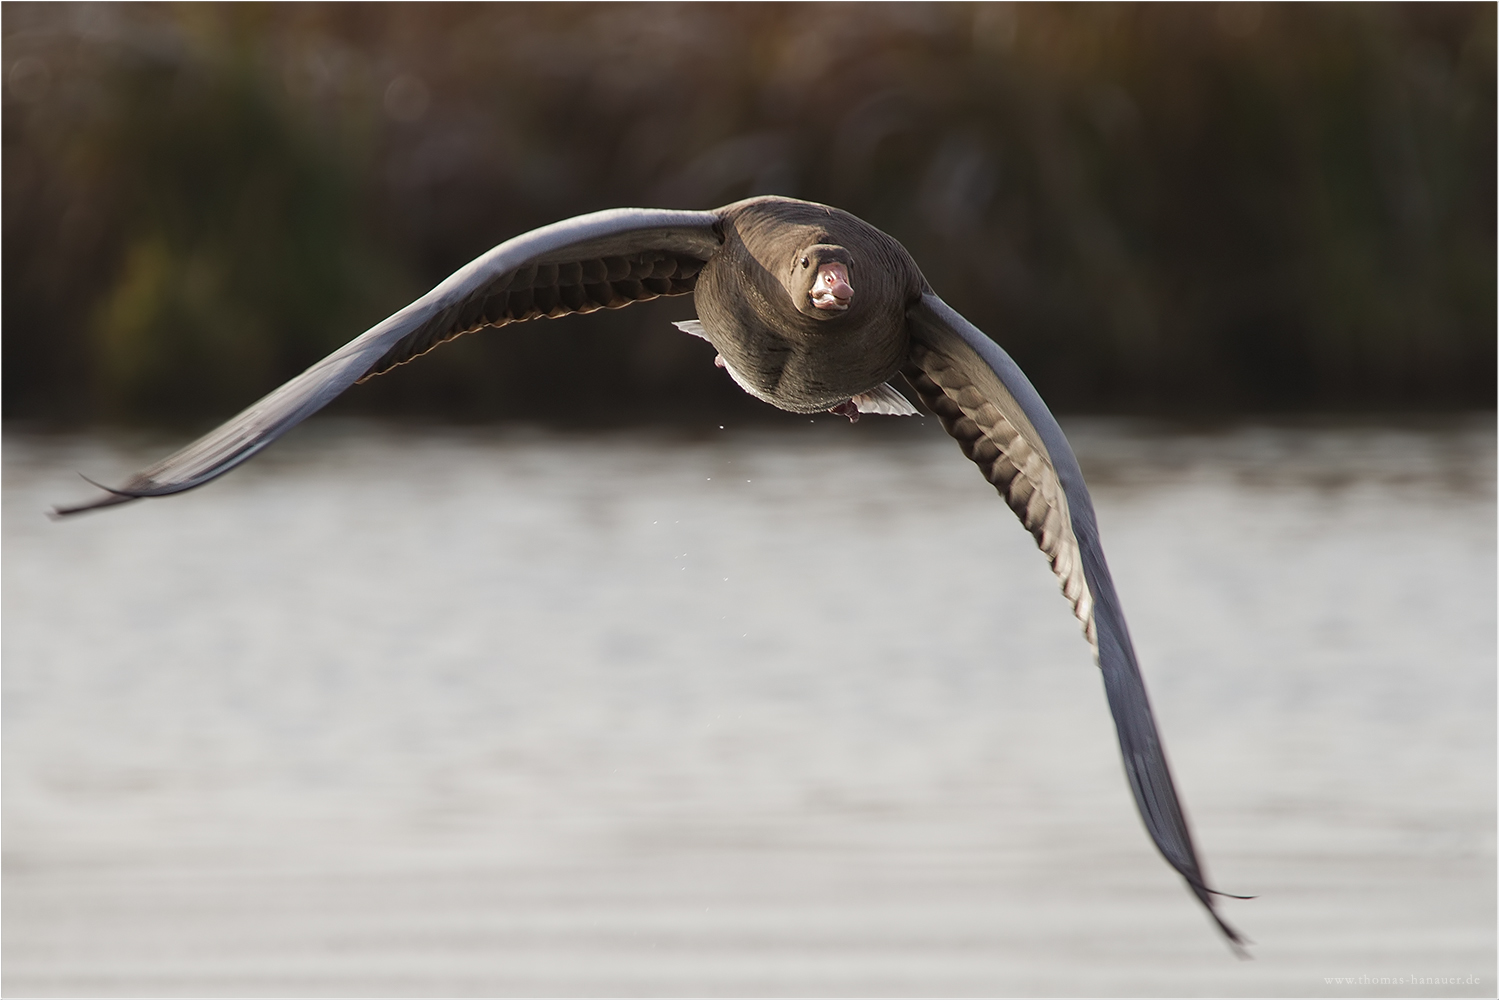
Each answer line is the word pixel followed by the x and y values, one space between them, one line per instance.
pixel 414 713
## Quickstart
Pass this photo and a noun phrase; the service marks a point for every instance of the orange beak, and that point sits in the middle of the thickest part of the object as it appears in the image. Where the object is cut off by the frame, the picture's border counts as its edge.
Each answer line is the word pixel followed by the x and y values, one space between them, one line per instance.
pixel 832 291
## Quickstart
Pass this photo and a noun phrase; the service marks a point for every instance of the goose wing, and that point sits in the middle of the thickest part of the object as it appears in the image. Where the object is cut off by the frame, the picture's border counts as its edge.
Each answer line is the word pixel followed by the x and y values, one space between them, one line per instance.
pixel 604 260
pixel 985 401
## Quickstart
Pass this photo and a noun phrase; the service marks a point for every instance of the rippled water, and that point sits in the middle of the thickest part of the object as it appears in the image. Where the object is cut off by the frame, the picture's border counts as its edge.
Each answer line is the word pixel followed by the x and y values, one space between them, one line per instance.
pixel 413 713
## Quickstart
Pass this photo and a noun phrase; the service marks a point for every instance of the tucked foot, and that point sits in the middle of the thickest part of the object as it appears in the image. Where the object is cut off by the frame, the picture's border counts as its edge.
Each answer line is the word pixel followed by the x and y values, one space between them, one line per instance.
pixel 848 408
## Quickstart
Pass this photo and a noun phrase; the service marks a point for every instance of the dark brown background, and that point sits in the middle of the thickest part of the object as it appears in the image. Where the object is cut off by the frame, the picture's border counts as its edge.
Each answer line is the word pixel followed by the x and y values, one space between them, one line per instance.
pixel 1180 209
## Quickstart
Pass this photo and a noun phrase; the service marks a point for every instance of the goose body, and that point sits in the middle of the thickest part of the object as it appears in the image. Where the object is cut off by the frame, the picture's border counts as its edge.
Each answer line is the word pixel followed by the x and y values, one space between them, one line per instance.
pixel 810 309
pixel 753 299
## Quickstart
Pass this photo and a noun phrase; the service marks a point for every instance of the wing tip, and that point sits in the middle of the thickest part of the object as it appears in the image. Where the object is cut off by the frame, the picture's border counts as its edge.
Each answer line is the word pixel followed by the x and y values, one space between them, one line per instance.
pixel 115 497
pixel 1236 938
pixel 60 512
pixel 1237 942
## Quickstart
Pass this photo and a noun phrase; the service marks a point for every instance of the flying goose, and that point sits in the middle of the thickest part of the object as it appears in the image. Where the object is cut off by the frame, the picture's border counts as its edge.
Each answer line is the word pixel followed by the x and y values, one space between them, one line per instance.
pixel 810 309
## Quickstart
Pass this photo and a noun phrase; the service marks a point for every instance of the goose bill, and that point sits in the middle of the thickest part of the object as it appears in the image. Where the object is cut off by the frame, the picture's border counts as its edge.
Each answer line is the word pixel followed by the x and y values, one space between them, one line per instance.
pixel 832 291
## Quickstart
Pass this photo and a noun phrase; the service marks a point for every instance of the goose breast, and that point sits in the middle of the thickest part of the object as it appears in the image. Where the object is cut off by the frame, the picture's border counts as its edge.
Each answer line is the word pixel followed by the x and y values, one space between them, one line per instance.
pixel 754 298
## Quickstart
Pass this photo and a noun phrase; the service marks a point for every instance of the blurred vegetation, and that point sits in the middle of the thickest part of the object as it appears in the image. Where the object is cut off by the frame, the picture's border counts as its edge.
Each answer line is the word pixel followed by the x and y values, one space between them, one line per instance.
pixel 1158 208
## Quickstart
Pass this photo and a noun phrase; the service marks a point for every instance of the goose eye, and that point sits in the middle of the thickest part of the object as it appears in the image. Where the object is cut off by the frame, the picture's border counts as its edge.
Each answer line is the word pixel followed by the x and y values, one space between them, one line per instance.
pixel 805 262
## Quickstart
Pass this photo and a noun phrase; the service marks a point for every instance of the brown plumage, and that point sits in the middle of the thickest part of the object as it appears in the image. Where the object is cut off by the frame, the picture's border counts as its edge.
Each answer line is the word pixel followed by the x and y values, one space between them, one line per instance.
pixel 752 300
pixel 810 308
pixel 550 290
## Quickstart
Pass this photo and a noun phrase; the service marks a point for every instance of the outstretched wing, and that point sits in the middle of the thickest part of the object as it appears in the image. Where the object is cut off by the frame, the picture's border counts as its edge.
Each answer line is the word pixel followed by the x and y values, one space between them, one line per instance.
pixel 985 401
pixel 600 261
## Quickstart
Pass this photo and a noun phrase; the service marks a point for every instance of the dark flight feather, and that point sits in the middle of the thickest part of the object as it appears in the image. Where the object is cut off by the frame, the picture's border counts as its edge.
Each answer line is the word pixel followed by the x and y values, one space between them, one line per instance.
pixel 985 401
pixel 497 288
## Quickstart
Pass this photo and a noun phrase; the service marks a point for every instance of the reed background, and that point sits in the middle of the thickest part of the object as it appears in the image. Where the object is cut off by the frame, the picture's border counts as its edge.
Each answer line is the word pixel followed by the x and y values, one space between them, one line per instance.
pixel 1174 209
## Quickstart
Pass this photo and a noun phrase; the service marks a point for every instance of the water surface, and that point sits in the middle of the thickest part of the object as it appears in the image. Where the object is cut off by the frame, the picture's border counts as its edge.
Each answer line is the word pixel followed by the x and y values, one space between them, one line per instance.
pixel 510 712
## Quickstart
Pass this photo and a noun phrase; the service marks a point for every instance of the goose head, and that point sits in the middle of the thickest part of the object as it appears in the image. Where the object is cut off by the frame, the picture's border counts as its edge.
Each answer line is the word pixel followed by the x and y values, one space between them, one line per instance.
pixel 821 280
